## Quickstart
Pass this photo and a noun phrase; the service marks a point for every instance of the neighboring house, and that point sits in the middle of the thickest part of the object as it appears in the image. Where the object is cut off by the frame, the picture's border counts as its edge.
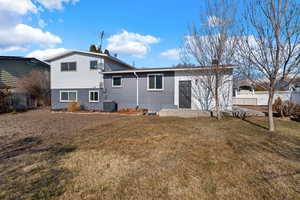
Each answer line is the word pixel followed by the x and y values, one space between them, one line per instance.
pixel 247 93
pixel 74 77
pixel 12 68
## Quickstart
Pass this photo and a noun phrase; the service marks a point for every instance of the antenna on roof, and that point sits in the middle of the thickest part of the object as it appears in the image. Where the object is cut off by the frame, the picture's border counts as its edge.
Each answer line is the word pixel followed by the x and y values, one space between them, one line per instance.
pixel 101 34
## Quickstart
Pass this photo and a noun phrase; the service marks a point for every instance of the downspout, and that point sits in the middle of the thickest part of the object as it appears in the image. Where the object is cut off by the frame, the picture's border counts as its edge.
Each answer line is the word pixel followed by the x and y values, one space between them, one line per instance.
pixel 137 89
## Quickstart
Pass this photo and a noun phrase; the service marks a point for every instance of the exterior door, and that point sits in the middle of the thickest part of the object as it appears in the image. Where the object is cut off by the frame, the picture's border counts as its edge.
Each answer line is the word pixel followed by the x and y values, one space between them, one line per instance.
pixel 185 94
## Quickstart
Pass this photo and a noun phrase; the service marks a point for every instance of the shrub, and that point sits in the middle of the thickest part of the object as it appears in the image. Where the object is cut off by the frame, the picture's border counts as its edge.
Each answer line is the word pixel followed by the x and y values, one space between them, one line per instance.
pixel 36 84
pixel 4 101
pixel 277 106
pixel 297 110
pixel 286 108
pixel 74 106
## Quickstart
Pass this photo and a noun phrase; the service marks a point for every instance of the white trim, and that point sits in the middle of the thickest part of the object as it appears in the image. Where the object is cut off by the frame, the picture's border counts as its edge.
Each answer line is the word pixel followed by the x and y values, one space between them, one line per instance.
pixel 91 101
pixel 137 89
pixel 57 56
pixel 112 82
pixel 66 101
pixel 149 89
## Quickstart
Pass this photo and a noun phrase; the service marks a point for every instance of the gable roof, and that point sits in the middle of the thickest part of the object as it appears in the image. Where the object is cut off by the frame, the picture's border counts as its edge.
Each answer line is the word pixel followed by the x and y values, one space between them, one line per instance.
pixel 68 52
pixel 18 58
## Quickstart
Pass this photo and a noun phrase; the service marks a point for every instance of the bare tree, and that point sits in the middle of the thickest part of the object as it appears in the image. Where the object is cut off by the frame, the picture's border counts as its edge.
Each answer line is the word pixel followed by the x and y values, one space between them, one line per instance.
pixel 271 50
pixel 213 44
pixel 36 84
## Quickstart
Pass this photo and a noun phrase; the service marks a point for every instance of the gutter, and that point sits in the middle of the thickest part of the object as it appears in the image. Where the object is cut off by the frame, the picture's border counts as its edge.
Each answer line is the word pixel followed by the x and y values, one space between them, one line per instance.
pixel 137 89
pixel 165 70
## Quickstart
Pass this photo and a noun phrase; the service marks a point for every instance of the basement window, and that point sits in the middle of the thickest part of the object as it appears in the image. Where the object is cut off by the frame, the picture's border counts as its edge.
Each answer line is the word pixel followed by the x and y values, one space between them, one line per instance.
pixel 68 96
pixel 94 96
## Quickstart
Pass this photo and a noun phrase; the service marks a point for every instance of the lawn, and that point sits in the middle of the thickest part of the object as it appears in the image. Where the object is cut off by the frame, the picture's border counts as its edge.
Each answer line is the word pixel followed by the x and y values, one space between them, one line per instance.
pixel 65 156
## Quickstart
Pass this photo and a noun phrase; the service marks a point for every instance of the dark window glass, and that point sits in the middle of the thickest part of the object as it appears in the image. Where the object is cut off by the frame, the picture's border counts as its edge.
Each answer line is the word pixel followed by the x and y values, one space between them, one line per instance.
pixel 117 81
pixel 64 96
pixel 72 96
pixel 151 82
pixel 93 64
pixel 94 96
pixel 158 81
pixel 72 66
pixel 64 67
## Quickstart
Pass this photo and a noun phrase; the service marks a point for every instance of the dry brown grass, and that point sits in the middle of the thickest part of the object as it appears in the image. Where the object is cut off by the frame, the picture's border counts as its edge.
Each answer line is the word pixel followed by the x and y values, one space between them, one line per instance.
pixel 65 156
pixel 172 158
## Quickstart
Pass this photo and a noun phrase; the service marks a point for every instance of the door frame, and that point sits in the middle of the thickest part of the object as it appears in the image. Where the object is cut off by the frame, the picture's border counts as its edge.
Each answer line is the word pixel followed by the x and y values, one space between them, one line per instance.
pixel 179 106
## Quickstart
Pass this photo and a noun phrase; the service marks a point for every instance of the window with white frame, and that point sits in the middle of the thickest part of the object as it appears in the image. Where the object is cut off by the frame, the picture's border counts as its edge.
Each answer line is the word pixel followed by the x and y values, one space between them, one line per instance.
pixel 68 66
pixel 117 81
pixel 68 95
pixel 94 96
pixel 155 82
pixel 93 65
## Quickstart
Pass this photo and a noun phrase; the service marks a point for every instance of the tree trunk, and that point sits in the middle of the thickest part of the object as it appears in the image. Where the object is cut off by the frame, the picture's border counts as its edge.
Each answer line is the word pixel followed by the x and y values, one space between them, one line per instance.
pixel 270 110
pixel 217 95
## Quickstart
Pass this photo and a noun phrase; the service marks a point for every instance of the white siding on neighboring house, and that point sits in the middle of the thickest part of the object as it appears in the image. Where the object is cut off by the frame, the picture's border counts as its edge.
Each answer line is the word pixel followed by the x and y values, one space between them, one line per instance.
pixel 261 97
pixel 201 98
pixel 83 77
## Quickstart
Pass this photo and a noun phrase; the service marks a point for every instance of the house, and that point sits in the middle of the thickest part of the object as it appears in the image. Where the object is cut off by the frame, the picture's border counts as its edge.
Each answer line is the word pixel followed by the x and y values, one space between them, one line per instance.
pixel 77 76
pixel 93 78
pixel 12 68
pixel 247 92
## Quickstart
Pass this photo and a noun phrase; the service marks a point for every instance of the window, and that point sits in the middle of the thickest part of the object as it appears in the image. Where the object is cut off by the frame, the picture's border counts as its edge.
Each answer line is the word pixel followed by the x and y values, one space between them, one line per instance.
pixel 93 65
pixel 117 81
pixel 68 96
pixel 94 96
pixel 67 67
pixel 155 82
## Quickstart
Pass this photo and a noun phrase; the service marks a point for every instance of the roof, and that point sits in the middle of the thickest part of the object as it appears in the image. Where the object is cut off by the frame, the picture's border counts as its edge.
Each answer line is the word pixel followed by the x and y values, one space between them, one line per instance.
pixel 170 69
pixel 67 52
pixel 17 58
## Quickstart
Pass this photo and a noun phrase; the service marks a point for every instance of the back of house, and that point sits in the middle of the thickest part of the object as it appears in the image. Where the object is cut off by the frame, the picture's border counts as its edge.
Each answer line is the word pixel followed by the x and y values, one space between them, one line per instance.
pixel 94 79
pixel 77 76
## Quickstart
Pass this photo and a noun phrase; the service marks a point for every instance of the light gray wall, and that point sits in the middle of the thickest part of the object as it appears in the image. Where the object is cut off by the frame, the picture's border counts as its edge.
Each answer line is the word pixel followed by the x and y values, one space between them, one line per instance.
pixel 82 96
pixel 125 96
pixel 110 65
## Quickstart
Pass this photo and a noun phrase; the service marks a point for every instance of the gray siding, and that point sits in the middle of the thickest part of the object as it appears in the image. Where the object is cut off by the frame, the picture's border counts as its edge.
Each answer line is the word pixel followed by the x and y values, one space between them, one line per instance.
pixel 125 96
pixel 82 96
